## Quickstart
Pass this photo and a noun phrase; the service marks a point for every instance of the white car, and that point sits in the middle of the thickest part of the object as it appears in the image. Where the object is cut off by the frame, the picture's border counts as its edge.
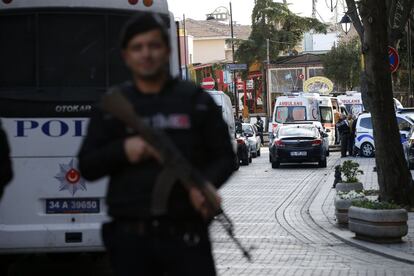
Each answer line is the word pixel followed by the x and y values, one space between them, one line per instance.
pixel 250 132
pixel 364 137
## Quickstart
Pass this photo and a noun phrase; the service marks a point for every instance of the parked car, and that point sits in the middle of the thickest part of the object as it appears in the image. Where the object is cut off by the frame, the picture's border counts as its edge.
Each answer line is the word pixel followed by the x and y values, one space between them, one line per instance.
pixel 364 136
pixel 253 138
pixel 408 147
pixel 298 143
pixel 244 151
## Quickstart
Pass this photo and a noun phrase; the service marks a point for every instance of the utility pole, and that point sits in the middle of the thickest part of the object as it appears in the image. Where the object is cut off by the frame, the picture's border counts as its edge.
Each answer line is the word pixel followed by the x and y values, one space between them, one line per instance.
pixel 236 94
pixel 269 98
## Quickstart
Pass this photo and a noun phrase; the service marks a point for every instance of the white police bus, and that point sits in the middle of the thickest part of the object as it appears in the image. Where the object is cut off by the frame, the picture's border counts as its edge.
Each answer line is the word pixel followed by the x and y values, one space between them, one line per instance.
pixel 57 58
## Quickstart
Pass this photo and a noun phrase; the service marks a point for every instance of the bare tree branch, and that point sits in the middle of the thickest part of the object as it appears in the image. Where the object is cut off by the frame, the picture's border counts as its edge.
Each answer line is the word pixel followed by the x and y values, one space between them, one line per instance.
pixel 399 13
pixel 353 13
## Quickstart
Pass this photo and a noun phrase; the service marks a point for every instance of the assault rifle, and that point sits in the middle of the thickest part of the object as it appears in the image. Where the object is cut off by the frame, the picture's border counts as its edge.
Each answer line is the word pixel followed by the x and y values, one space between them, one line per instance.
pixel 176 166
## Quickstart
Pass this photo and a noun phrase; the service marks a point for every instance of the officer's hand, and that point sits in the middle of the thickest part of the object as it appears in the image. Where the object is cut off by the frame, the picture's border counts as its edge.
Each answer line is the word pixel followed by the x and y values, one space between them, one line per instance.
pixel 200 204
pixel 138 150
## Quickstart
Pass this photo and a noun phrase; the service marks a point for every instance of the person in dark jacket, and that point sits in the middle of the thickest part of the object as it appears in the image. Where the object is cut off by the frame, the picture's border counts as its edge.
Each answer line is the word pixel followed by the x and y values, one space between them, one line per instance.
pixel 344 132
pixel 6 172
pixel 260 128
pixel 138 242
pixel 352 150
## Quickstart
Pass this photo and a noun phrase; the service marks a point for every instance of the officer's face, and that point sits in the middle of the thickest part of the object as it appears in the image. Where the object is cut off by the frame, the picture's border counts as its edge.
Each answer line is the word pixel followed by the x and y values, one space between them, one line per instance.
pixel 147 55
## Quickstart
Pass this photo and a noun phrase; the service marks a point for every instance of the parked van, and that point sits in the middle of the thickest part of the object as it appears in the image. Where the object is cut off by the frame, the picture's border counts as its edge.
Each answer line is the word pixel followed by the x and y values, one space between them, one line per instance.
pixel 224 101
pixel 364 140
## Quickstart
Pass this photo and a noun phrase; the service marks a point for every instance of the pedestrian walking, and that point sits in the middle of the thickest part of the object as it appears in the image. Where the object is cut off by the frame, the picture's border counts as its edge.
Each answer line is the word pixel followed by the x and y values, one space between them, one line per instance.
pixel 139 242
pixel 344 132
pixel 260 128
pixel 6 172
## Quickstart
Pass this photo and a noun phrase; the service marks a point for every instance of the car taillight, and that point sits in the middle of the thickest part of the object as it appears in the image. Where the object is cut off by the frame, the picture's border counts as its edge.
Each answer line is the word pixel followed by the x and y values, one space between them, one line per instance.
pixel 274 126
pixel 240 141
pixel 148 3
pixel 279 143
pixel 7 1
pixel 317 142
pixel 133 2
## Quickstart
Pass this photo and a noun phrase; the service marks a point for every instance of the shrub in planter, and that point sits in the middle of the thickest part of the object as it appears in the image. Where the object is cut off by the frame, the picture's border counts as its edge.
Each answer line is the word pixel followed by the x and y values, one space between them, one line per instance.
pixel 343 202
pixel 379 222
pixel 350 170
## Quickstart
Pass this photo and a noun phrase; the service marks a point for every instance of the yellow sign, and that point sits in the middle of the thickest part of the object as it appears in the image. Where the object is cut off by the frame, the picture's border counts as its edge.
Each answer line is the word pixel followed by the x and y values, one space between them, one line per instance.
pixel 319 85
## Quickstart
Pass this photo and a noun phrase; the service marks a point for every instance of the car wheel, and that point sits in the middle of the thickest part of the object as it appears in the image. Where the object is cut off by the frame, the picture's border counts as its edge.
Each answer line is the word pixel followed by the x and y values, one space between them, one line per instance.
pixel 275 164
pixel 245 161
pixel 322 163
pixel 328 152
pixel 367 150
pixel 270 158
pixel 251 158
pixel 259 152
pixel 254 154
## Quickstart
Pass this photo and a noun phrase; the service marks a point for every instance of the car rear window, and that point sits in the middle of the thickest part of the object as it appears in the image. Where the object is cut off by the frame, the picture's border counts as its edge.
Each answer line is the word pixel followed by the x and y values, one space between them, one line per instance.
pixel 297 132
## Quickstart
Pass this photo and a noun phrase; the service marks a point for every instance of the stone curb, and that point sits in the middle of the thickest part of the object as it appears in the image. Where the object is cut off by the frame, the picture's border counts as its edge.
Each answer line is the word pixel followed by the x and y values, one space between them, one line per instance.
pixel 319 218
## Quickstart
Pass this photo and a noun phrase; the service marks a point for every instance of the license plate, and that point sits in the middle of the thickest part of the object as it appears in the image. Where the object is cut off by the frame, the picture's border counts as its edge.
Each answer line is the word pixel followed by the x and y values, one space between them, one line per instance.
pixel 298 153
pixel 73 206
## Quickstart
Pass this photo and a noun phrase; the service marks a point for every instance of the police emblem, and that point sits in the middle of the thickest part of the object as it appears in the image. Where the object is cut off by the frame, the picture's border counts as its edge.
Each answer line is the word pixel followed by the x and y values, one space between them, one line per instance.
pixel 70 178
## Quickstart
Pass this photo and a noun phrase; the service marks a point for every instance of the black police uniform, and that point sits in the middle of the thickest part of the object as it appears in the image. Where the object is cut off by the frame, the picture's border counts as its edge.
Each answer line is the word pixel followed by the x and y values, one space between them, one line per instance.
pixel 6 172
pixel 178 243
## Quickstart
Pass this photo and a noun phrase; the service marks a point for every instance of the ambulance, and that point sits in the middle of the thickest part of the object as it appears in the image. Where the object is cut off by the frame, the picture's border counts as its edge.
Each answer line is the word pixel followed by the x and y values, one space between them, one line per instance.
pixel 353 102
pixel 290 109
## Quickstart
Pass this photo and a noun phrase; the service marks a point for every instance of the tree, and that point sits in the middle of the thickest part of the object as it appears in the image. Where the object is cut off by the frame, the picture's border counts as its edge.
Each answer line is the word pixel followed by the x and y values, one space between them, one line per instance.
pixel 276 22
pixel 342 64
pixel 377 25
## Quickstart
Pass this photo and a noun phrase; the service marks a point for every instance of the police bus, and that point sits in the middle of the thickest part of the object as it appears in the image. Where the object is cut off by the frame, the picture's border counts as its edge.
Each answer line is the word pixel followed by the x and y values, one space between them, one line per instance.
pixel 57 58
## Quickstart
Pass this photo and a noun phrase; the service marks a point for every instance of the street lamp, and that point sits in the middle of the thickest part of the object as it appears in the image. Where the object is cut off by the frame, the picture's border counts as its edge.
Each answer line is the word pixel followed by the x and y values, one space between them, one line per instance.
pixel 346 22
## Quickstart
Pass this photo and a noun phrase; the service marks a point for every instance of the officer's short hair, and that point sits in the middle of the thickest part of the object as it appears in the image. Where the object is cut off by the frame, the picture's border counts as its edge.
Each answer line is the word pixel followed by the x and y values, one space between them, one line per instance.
pixel 142 24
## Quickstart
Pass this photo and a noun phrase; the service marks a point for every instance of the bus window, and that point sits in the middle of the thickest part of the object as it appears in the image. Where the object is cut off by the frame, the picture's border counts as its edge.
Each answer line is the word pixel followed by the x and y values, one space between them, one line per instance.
pixel 79 61
pixel 17 58
pixel 117 68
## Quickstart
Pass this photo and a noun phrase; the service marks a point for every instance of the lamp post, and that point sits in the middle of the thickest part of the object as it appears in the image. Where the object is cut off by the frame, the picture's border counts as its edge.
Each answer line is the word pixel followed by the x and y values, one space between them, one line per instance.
pixel 221 13
pixel 346 23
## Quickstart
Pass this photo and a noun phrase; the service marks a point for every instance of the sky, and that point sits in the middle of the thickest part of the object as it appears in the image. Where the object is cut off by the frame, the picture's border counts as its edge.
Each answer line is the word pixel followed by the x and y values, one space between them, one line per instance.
pixel 242 9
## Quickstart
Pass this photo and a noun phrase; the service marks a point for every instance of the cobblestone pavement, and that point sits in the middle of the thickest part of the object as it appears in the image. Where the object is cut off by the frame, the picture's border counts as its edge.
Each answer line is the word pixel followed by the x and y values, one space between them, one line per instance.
pixel 270 209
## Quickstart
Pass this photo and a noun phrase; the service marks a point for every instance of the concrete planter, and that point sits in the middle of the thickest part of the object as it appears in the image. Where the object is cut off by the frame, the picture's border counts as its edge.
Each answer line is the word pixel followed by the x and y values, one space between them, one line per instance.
pixel 341 210
pixel 347 187
pixel 380 226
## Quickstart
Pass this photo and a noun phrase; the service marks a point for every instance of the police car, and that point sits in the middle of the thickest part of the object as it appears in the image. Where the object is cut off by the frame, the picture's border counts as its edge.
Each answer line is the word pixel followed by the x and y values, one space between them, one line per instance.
pixel 364 137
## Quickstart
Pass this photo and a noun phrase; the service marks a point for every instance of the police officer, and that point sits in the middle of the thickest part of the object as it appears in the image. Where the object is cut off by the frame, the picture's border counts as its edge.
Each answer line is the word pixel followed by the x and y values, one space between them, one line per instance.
pixel 138 242
pixel 260 128
pixel 344 132
pixel 6 172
